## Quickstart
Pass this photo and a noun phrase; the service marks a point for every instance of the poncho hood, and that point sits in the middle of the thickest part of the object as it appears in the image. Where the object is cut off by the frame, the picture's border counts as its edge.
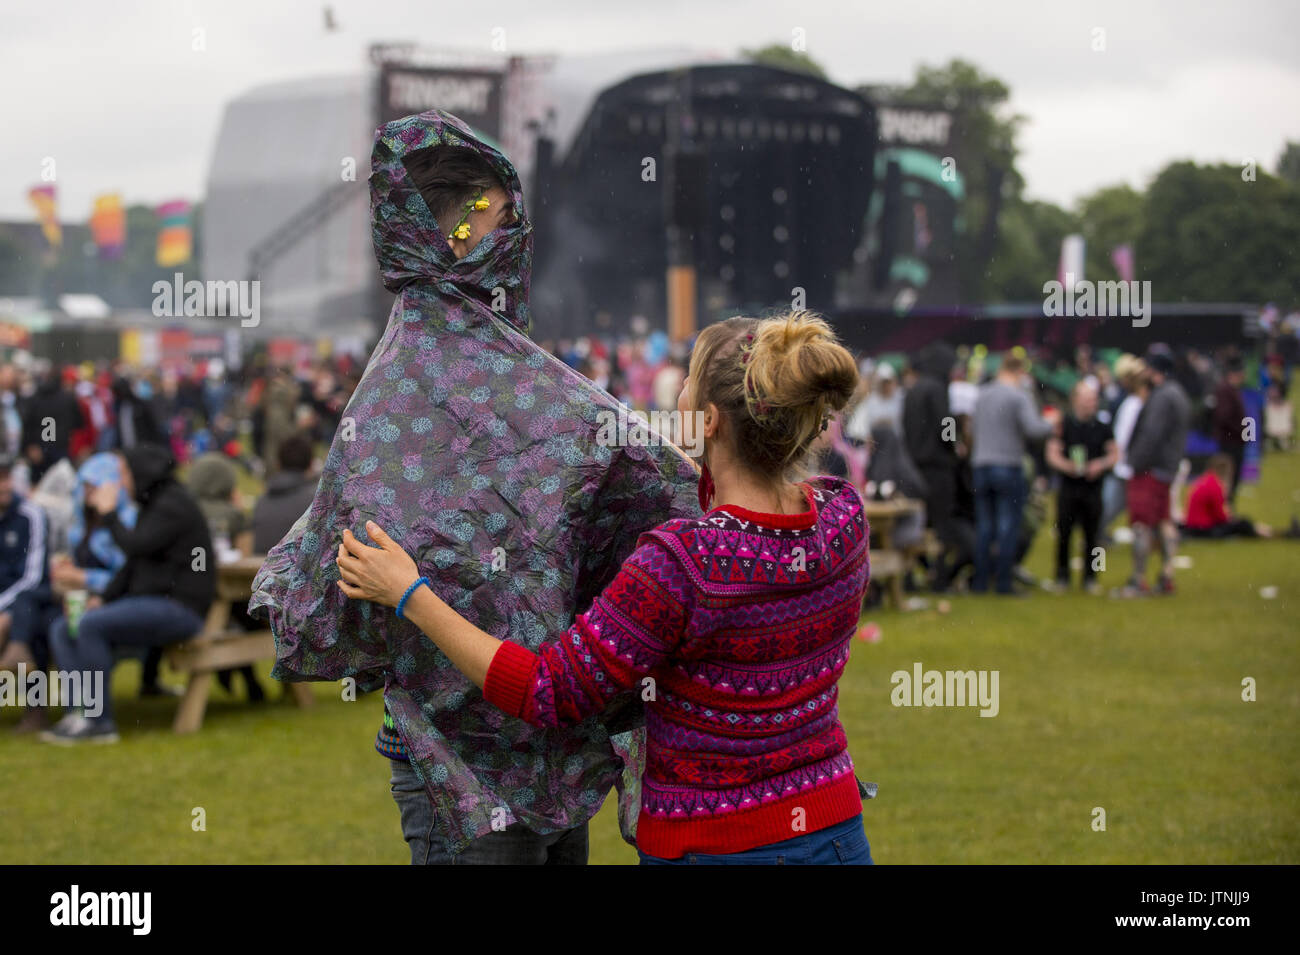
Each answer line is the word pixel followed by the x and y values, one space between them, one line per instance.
pixel 481 455
pixel 412 249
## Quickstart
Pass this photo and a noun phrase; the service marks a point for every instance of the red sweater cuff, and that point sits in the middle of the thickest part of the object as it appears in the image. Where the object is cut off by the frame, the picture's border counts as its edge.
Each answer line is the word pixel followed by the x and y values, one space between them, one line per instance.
pixel 509 678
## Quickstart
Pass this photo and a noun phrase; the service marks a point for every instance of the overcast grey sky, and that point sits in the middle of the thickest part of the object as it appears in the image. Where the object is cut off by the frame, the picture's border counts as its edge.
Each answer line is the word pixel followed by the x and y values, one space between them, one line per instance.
pixel 116 94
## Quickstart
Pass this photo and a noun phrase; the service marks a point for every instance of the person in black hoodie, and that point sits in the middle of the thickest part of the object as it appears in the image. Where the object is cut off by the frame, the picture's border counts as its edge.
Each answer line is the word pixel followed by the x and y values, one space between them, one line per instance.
pixel 159 596
pixel 137 422
pixel 931 435
pixel 52 415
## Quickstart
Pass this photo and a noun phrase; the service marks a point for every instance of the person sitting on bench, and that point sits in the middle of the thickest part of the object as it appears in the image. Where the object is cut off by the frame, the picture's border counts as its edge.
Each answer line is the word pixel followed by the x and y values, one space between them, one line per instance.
pixel 213 480
pixel 25 601
pixel 159 596
pixel 77 575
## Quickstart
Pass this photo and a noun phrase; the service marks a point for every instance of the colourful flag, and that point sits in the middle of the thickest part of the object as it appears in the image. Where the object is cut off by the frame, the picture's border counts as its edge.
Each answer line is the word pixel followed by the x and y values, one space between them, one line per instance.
pixel 108 225
pixel 1122 258
pixel 176 240
pixel 43 198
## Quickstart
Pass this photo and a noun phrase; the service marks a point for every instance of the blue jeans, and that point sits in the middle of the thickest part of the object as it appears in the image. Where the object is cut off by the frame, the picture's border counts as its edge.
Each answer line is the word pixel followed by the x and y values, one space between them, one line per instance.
pixel 841 844
pixel 999 503
pixel 513 845
pixel 128 622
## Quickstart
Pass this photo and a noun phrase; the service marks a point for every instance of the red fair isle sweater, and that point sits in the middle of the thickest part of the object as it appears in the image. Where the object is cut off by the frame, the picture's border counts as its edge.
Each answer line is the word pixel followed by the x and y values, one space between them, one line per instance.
pixel 735 627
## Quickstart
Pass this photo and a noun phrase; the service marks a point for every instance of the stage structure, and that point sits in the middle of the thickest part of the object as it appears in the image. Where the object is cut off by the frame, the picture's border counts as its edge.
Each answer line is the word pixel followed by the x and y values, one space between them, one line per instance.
pixel 707 190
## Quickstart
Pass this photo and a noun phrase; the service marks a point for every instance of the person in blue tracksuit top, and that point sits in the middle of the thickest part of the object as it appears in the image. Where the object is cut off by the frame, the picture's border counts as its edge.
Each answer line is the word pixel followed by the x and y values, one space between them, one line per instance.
pixel 26 601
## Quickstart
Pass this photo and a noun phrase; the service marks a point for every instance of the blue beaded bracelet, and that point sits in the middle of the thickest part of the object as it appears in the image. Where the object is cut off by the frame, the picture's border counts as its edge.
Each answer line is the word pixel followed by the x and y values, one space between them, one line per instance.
pixel 410 590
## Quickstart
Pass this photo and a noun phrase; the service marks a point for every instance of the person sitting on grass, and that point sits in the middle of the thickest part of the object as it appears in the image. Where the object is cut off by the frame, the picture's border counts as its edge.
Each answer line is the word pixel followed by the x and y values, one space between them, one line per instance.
pixel 158 597
pixel 1208 512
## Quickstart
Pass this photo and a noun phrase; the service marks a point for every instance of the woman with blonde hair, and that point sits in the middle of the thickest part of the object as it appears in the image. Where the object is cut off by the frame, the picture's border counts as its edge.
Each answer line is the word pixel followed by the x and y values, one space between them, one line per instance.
pixel 733 628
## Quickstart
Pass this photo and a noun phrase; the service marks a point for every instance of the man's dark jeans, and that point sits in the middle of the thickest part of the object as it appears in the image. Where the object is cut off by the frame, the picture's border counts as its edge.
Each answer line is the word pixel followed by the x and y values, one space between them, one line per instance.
pixel 513 845
pixel 999 501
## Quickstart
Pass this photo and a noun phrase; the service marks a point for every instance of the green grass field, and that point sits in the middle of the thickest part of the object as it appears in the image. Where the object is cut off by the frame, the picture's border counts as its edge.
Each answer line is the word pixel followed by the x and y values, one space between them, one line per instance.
pixel 1134 707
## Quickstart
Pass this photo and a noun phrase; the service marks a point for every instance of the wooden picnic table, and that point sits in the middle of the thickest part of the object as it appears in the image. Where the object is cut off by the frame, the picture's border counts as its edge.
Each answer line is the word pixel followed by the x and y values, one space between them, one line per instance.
pixel 221 646
pixel 882 515
pixel 889 563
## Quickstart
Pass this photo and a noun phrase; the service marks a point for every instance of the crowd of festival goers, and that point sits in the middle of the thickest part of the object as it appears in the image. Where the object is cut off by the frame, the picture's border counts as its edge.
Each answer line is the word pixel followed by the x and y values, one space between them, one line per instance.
pixel 120 496
pixel 112 479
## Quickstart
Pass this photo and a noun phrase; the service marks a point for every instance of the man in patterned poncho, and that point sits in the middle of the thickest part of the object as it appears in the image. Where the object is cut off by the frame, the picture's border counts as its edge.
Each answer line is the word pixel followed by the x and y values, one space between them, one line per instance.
pixel 478 452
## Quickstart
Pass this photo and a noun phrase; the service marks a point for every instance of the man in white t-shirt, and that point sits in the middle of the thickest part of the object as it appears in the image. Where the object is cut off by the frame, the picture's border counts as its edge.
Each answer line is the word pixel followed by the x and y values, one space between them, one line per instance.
pixel 1131 373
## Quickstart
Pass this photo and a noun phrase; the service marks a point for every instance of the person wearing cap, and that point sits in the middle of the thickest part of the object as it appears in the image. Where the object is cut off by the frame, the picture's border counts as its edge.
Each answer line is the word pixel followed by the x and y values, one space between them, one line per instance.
pixel 1229 420
pixel 1155 452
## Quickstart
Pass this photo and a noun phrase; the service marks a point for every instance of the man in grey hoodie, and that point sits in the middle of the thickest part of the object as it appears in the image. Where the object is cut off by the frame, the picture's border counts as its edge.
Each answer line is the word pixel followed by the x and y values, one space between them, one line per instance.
pixel 1154 453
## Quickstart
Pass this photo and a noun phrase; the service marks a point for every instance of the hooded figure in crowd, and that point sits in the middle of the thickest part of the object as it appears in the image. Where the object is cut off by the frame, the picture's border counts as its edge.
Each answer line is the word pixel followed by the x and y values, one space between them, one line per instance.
pixel 930 439
pixel 212 479
pixel 53 416
pixel 478 452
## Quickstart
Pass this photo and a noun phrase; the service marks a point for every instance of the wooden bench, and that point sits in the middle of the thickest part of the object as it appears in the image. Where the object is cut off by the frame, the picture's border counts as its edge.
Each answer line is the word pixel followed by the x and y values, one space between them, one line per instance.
pixel 887 569
pixel 929 547
pixel 221 646
pixel 889 565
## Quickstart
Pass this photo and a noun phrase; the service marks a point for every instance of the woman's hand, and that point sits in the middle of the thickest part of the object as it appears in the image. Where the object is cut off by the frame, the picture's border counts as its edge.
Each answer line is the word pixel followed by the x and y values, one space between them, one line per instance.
pixel 380 573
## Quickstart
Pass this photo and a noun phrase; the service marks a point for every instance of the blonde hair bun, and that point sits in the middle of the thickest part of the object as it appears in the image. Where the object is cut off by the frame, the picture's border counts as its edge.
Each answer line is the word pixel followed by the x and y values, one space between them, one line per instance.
pixel 777 380
pixel 797 362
